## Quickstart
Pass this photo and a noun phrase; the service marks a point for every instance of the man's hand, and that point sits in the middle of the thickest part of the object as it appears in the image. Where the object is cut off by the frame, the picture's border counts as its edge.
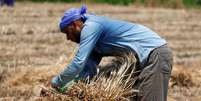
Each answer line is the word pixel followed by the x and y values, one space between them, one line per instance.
pixel 67 86
pixel 62 88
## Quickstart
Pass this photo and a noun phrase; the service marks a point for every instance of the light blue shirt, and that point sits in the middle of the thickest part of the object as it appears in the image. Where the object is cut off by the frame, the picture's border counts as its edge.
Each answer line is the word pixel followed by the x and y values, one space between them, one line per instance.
pixel 102 36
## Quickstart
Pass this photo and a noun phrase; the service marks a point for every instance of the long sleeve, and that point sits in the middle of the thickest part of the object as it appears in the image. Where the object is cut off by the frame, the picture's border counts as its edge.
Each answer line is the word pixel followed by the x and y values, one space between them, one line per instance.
pixel 89 37
pixel 90 69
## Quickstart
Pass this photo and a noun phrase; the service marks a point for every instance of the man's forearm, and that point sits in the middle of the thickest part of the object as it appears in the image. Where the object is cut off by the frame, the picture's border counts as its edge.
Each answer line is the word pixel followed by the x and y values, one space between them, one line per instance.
pixel 65 76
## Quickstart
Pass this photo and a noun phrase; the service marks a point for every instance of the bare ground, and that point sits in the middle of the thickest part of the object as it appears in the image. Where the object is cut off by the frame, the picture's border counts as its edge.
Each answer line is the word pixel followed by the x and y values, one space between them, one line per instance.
pixel 32 49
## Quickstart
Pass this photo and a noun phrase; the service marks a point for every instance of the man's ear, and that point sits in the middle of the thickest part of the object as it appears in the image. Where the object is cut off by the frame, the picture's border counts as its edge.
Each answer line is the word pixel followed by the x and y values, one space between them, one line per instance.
pixel 74 23
pixel 78 22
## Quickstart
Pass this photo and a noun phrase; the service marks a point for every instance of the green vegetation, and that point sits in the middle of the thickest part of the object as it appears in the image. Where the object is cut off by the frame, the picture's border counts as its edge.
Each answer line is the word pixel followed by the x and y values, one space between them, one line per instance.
pixel 192 3
pixel 55 0
pixel 121 2
pixel 150 3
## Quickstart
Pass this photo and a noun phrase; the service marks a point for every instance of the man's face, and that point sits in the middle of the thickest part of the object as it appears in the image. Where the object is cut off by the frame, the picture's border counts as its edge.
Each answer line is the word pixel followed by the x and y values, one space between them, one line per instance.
pixel 73 31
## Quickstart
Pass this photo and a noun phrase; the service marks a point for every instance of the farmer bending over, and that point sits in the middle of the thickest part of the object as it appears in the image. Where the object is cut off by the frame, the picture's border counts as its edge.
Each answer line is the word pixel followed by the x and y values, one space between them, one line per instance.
pixel 9 3
pixel 100 36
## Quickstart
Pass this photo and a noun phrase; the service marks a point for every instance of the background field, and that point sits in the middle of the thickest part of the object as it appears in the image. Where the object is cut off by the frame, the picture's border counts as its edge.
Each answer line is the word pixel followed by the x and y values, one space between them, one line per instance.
pixel 32 49
pixel 150 3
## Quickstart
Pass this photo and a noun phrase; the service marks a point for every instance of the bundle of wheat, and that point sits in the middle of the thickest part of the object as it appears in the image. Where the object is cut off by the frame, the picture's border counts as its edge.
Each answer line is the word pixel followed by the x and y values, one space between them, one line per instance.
pixel 118 86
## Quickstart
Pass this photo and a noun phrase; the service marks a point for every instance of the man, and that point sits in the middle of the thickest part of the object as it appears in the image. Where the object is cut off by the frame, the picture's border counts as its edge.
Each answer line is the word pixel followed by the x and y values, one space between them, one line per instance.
pixel 101 36
pixel 7 2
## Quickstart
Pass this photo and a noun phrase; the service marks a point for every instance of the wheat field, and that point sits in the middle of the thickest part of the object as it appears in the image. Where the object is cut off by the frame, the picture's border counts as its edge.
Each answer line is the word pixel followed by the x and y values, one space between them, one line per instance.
pixel 32 50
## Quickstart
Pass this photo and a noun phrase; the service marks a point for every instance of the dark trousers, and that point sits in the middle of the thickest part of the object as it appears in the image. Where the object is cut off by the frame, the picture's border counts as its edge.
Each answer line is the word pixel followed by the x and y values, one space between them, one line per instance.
pixel 153 80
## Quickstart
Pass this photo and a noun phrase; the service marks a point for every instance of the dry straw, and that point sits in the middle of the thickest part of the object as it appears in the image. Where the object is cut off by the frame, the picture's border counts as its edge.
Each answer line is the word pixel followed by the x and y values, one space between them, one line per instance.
pixel 118 86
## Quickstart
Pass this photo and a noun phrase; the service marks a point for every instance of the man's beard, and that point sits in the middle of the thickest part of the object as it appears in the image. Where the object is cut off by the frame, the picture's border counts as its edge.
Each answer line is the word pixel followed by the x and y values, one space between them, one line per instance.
pixel 77 37
pixel 77 40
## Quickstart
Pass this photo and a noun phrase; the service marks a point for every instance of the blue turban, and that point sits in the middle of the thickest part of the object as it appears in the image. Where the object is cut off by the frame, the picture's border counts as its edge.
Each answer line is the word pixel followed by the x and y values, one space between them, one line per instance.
pixel 72 15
